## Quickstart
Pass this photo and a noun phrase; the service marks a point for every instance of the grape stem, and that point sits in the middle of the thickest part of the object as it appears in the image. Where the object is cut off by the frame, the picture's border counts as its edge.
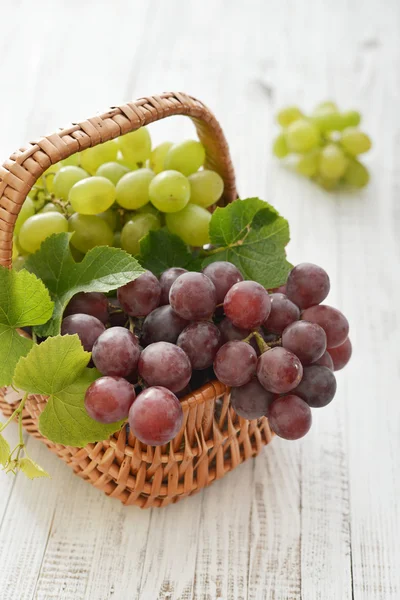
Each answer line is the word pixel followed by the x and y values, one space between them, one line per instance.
pixel 261 343
pixel 13 462
pixel 131 325
pixel 17 412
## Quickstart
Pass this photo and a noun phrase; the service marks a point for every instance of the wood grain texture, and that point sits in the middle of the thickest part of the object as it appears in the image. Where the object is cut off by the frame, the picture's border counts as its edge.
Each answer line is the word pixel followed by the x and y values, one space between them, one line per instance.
pixel 317 519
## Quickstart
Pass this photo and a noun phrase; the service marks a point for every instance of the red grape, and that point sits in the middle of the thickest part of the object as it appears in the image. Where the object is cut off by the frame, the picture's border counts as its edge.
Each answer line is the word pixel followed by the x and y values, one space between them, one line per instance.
pixel 116 352
pixel 289 417
pixel 166 280
pixel 193 296
pixel 230 332
pixel 165 364
pixel 89 303
pixel 247 304
pixel 251 400
pixel 332 321
pixel 162 325
pixel 156 416
pixel 307 285
pixel 87 328
pixel 306 340
pixel 224 275
pixel 235 363
pixel 279 290
pixel 200 341
pixel 279 370
pixel 139 297
pixel 109 399
pixel 325 361
pixel 317 387
pixel 283 312
pixel 341 355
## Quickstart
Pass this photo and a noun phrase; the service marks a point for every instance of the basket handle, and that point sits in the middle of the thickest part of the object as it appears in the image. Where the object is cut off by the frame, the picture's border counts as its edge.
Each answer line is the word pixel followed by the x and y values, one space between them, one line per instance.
pixel 24 167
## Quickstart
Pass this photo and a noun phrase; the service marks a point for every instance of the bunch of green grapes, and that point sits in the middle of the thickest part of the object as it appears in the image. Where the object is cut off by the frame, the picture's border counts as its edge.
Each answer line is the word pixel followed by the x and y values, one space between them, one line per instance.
pixel 115 193
pixel 325 145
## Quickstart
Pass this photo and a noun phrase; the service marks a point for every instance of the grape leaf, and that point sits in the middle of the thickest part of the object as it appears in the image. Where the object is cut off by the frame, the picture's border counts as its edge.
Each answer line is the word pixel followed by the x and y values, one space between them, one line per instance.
pixel 252 235
pixel 103 269
pixel 24 301
pixel 4 451
pixel 57 369
pixel 31 469
pixel 160 250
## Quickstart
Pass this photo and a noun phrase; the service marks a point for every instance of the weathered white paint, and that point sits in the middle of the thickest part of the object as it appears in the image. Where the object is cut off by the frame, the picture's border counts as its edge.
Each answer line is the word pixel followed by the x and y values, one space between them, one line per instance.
pixel 314 519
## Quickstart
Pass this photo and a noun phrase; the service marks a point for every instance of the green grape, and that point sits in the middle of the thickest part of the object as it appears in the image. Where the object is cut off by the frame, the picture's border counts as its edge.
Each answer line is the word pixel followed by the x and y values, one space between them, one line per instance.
pixel 111 217
pixel 136 229
pixel 327 120
pixel 169 191
pixel 14 249
pixel 27 210
pixel 39 227
pixel 47 179
pixel 117 240
pixel 302 136
pixel 19 248
pixel 121 161
pixel 206 188
pixel 92 158
pixel 288 115
pixel 38 197
pixel 356 174
pixel 92 195
pixel 135 147
pixel 133 189
pixel 327 105
pixel 65 179
pixel 280 147
pixel 50 207
pixel 147 209
pixel 76 254
pixel 327 183
pixel 186 157
pixel 350 118
pixel 72 161
pixel 191 225
pixel 19 263
pixel 355 141
pixel 89 231
pixel 307 164
pixel 157 157
pixel 332 162
pixel 112 171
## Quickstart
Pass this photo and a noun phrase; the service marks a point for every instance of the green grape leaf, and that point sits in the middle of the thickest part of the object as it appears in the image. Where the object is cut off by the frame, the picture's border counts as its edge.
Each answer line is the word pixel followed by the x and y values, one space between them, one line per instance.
pixel 57 369
pixel 31 469
pixel 103 269
pixel 160 250
pixel 252 235
pixel 4 451
pixel 24 301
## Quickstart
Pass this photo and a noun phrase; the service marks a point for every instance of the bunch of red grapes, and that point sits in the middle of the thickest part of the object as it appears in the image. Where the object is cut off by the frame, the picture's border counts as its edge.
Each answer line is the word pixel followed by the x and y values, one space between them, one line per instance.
pixel 165 337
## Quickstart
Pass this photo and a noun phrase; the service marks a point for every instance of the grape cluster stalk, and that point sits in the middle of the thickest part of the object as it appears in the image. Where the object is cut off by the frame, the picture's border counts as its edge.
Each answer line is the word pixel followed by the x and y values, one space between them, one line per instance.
pixel 161 338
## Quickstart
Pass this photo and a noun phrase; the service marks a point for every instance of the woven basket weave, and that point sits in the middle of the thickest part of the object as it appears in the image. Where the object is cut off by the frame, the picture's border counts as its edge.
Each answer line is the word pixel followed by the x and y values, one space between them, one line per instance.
pixel 213 439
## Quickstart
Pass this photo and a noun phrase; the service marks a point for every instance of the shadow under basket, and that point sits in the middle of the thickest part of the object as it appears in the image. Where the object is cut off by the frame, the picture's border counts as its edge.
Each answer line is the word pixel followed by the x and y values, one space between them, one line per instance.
pixel 213 439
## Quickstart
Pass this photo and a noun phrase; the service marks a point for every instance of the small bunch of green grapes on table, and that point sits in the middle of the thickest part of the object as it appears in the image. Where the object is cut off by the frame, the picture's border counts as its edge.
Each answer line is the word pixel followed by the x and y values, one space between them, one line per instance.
pixel 115 193
pixel 325 146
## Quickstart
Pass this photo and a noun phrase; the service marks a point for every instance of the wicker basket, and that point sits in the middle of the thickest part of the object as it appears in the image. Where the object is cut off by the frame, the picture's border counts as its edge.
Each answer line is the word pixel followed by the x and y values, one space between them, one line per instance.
pixel 213 439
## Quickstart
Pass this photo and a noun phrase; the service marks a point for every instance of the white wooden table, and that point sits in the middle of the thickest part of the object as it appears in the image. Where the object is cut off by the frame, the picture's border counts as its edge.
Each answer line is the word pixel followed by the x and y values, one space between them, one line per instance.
pixel 313 519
